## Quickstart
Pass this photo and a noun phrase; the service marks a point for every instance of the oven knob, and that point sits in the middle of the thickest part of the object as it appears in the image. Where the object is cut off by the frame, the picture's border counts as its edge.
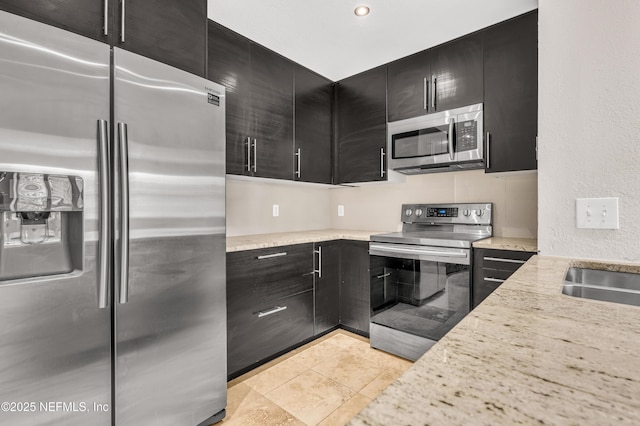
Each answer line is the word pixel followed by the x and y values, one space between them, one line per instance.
pixel 418 212
pixel 408 212
pixel 466 212
pixel 479 212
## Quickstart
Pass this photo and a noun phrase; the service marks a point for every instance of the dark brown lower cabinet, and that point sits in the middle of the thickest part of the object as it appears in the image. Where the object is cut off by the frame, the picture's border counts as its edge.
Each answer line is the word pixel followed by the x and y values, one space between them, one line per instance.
pixel 269 304
pixel 355 307
pixel 493 267
pixel 327 285
pixel 260 332
pixel 274 302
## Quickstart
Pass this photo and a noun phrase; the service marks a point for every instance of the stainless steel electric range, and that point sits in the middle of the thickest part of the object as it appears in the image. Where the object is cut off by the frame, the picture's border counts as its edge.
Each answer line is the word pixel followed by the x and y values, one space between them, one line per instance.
pixel 421 276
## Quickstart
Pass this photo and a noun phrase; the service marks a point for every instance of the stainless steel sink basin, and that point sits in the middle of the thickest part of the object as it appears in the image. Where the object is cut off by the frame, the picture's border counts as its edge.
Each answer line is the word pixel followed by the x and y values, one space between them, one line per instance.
pixel 616 287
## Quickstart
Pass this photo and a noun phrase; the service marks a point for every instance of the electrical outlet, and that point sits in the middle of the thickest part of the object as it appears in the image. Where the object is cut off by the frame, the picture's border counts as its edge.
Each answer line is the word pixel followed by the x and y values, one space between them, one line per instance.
pixel 597 213
pixel 276 210
pixel 340 210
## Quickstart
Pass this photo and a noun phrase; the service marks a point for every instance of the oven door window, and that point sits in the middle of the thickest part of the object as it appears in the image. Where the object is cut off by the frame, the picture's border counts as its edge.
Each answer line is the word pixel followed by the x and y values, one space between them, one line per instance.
pixel 423 298
pixel 420 143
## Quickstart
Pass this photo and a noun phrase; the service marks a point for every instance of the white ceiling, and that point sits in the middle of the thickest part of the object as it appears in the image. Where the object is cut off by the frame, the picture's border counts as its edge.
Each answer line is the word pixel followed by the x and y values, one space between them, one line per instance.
pixel 327 37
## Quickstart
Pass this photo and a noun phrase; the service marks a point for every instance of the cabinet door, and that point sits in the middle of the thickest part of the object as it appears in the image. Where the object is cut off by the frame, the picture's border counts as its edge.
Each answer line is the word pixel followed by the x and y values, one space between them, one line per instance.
pixel 327 286
pixel 312 127
pixel 272 113
pixel 85 17
pixel 511 94
pixel 169 31
pixel 355 286
pixel 229 64
pixel 457 67
pixel 362 127
pixel 408 86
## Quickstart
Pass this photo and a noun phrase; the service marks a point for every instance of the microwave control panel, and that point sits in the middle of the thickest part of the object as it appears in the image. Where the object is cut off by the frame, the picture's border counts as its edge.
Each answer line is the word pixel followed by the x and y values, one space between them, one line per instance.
pixel 466 135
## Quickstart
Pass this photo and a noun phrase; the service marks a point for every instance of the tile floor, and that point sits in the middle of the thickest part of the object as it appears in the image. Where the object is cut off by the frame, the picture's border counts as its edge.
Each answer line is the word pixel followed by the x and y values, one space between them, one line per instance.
pixel 325 382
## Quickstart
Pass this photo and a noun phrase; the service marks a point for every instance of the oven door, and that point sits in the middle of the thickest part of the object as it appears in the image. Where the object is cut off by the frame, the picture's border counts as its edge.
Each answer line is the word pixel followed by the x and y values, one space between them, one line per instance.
pixel 453 136
pixel 418 294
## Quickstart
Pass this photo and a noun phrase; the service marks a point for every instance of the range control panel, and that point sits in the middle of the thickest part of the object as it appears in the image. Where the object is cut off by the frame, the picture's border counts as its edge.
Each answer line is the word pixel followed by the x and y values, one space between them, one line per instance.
pixel 460 213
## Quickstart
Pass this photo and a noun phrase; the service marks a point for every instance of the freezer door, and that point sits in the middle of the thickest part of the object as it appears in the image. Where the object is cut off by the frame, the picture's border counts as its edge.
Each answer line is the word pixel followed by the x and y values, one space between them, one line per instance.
pixel 171 310
pixel 55 352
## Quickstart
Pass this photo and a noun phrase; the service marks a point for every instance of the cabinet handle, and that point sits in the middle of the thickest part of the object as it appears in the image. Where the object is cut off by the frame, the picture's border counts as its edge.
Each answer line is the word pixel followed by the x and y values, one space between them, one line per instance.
pixel 122 7
pixel 319 253
pixel 425 93
pixel 384 275
pixel 298 155
pixel 382 170
pixel 271 311
pixel 498 259
pixel 106 17
pixel 248 154
pixel 270 256
pixel 494 280
pixel 255 156
pixel 433 93
pixel 488 150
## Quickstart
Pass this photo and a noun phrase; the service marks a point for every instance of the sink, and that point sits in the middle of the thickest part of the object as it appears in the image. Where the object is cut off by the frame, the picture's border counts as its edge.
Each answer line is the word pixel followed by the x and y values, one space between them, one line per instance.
pixel 616 287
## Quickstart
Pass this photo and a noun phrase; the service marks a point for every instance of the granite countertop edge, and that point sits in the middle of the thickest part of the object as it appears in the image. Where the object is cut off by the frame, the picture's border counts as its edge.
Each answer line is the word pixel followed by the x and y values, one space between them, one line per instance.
pixel 259 241
pixel 508 243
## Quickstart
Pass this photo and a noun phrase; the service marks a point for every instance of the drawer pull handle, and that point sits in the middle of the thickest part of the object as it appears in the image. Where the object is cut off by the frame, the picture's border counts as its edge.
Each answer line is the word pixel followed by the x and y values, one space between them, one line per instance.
pixel 269 256
pixel 272 311
pixel 497 259
pixel 384 275
pixel 494 280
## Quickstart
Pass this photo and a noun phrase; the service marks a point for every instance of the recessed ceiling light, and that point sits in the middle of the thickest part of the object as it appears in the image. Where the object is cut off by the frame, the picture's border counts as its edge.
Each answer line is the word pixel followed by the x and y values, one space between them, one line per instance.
pixel 362 10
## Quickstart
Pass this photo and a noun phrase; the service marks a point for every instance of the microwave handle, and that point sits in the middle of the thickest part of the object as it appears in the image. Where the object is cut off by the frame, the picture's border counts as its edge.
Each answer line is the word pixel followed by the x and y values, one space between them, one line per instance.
pixel 451 152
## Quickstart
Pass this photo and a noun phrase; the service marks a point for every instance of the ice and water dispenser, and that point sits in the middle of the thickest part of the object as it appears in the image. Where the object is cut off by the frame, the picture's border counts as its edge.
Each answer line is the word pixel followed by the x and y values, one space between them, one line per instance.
pixel 41 230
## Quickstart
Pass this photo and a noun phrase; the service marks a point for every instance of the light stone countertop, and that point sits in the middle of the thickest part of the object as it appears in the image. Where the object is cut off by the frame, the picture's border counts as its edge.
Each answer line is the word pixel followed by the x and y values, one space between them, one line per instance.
pixel 251 242
pixel 504 243
pixel 527 355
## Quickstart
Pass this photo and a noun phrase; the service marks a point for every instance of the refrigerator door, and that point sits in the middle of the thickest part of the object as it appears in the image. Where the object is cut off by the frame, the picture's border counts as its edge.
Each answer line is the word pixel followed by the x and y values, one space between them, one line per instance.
pixel 170 322
pixel 55 351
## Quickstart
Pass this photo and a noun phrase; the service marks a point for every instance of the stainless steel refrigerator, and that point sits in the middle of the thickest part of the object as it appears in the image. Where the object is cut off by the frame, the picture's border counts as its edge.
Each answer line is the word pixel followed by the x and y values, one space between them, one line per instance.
pixel 112 235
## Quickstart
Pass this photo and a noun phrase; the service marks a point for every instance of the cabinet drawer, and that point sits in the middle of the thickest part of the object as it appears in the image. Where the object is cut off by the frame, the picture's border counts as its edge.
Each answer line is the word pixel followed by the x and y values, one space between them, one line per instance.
pixel 254 335
pixel 504 260
pixel 258 294
pixel 270 264
pixel 501 274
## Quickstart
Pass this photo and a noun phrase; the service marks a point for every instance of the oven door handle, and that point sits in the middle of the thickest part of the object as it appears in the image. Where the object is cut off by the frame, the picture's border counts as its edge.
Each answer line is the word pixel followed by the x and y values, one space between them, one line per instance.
pixel 428 252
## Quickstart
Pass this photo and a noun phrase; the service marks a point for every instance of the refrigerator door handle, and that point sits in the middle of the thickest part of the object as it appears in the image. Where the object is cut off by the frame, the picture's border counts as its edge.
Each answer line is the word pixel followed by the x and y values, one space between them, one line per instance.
pixel 105 214
pixel 123 178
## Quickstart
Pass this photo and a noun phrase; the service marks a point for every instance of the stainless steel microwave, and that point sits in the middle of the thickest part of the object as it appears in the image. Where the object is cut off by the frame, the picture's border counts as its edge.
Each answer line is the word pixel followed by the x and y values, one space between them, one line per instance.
pixel 444 141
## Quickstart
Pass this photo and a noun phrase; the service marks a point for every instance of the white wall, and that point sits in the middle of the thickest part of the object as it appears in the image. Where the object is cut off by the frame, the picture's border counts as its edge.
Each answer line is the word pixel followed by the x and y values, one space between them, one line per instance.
pixel 589 124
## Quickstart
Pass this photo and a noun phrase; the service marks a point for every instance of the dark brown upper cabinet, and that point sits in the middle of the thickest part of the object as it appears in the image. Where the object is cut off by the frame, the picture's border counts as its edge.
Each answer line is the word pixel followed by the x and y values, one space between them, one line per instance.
pixel 169 31
pixel 259 91
pixel 444 77
pixel 229 64
pixel 90 18
pixel 312 139
pixel 362 127
pixel 511 94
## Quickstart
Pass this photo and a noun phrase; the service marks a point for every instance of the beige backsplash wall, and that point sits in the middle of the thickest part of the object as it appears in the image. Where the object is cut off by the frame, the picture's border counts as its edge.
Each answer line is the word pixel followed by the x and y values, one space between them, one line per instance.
pixel 303 207
pixel 377 206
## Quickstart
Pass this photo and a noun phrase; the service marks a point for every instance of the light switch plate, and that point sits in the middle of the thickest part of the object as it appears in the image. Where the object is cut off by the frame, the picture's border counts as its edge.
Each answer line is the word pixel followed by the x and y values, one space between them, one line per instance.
pixel 276 210
pixel 597 213
pixel 340 210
